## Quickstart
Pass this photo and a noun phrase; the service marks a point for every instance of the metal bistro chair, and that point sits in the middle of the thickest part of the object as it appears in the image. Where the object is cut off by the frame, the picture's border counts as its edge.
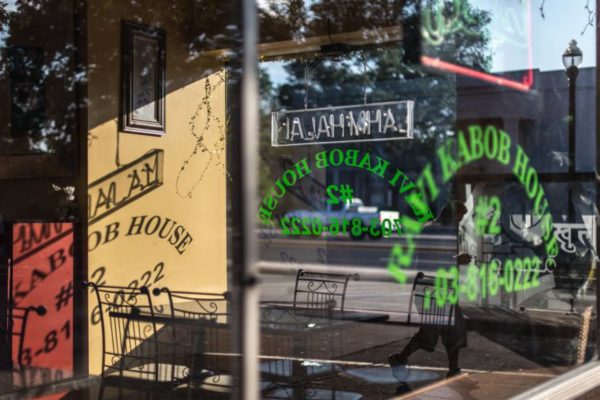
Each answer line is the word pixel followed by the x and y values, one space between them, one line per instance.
pixel 424 297
pixel 130 348
pixel 212 379
pixel 318 293
pixel 18 329
pixel 203 347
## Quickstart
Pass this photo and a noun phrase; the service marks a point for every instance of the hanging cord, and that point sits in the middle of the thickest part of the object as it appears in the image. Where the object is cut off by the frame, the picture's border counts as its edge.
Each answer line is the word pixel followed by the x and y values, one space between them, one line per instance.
pixel 364 62
pixel 305 84
pixel 329 28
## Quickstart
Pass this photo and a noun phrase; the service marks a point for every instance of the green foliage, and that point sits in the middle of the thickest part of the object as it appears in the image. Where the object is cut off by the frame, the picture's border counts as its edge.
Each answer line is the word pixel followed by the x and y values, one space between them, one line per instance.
pixel 38 73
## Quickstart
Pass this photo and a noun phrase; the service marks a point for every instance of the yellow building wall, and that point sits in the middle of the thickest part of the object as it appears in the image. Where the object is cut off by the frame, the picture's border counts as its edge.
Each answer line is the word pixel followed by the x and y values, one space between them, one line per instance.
pixel 189 189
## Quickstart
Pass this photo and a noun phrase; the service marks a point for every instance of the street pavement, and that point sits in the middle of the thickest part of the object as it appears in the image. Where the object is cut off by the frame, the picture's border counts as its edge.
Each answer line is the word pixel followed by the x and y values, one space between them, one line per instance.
pixel 369 258
pixel 432 251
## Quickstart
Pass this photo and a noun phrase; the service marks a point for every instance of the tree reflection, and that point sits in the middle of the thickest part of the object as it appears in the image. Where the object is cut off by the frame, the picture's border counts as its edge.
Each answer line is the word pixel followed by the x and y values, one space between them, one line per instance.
pixel 38 78
pixel 378 71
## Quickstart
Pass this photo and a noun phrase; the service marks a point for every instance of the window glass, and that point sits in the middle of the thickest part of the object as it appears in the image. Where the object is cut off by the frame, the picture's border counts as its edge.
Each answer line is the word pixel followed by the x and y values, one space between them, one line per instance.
pixel 392 198
pixel 116 262
pixel 465 166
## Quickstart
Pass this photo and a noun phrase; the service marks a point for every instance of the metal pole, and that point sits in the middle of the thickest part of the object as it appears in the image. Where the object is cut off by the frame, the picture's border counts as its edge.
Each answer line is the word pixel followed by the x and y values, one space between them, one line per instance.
pixel 250 133
pixel 597 186
pixel 6 298
pixel 243 166
pixel 572 73
pixel 11 302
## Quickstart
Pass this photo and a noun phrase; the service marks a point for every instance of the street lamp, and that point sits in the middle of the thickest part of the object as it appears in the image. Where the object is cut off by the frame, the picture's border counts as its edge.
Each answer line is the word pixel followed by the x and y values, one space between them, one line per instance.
pixel 571 59
pixel 572 56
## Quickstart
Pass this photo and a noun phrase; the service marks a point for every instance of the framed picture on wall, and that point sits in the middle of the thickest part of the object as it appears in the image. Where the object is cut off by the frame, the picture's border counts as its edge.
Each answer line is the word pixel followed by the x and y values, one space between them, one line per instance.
pixel 143 70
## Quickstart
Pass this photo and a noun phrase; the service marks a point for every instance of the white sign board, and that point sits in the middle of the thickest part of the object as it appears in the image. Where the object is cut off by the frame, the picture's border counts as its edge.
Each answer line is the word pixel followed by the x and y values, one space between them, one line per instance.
pixel 345 124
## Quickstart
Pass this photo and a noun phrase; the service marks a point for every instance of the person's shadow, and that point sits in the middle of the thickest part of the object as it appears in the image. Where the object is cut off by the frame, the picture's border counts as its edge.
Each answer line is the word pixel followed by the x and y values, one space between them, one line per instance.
pixel 403 389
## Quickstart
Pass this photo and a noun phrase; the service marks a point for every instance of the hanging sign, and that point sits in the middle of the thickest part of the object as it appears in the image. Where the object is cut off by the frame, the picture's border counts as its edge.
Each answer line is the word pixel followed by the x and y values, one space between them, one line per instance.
pixel 345 124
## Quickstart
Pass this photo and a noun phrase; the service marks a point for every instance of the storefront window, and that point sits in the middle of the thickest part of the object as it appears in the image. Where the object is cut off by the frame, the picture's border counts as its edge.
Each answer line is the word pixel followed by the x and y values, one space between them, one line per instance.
pixel 114 128
pixel 427 207
pixel 320 199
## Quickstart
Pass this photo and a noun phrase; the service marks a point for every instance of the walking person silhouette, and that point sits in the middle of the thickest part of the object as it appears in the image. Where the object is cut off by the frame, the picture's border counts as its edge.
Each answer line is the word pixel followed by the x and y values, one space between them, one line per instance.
pixel 454 337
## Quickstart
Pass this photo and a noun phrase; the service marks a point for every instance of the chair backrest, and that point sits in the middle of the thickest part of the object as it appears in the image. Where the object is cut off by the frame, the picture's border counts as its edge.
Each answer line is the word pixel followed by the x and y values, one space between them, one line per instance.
pixel 18 328
pixel 196 305
pixel 215 337
pixel 321 292
pixel 424 297
pixel 128 344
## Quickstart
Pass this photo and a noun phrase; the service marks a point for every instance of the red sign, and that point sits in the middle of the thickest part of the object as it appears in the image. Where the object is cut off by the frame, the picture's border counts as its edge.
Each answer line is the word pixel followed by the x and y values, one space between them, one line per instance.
pixel 511 29
pixel 43 276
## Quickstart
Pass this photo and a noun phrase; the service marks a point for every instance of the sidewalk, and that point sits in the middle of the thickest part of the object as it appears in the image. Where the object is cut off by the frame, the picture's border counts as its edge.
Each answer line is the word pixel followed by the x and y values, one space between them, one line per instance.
pixel 478 386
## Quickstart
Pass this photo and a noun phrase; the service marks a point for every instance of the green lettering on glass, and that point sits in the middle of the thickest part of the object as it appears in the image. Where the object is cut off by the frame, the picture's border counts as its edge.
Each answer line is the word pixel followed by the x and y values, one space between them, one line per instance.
pixel 519 274
pixel 486 222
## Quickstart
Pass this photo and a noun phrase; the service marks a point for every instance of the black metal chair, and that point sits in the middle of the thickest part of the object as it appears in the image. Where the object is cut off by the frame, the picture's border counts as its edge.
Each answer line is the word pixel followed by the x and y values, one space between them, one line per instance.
pixel 196 305
pixel 424 297
pixel 18 328
pixel 200 348
pixel 208 349
pixel 320 293
pixel 131 355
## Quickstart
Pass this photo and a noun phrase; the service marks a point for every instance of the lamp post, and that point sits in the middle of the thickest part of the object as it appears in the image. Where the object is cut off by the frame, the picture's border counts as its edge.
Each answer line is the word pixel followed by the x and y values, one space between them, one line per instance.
pixel 571 59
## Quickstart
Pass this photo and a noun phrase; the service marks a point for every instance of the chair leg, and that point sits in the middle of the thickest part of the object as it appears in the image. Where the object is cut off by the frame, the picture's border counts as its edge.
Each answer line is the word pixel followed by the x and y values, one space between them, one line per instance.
pixel 101 392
